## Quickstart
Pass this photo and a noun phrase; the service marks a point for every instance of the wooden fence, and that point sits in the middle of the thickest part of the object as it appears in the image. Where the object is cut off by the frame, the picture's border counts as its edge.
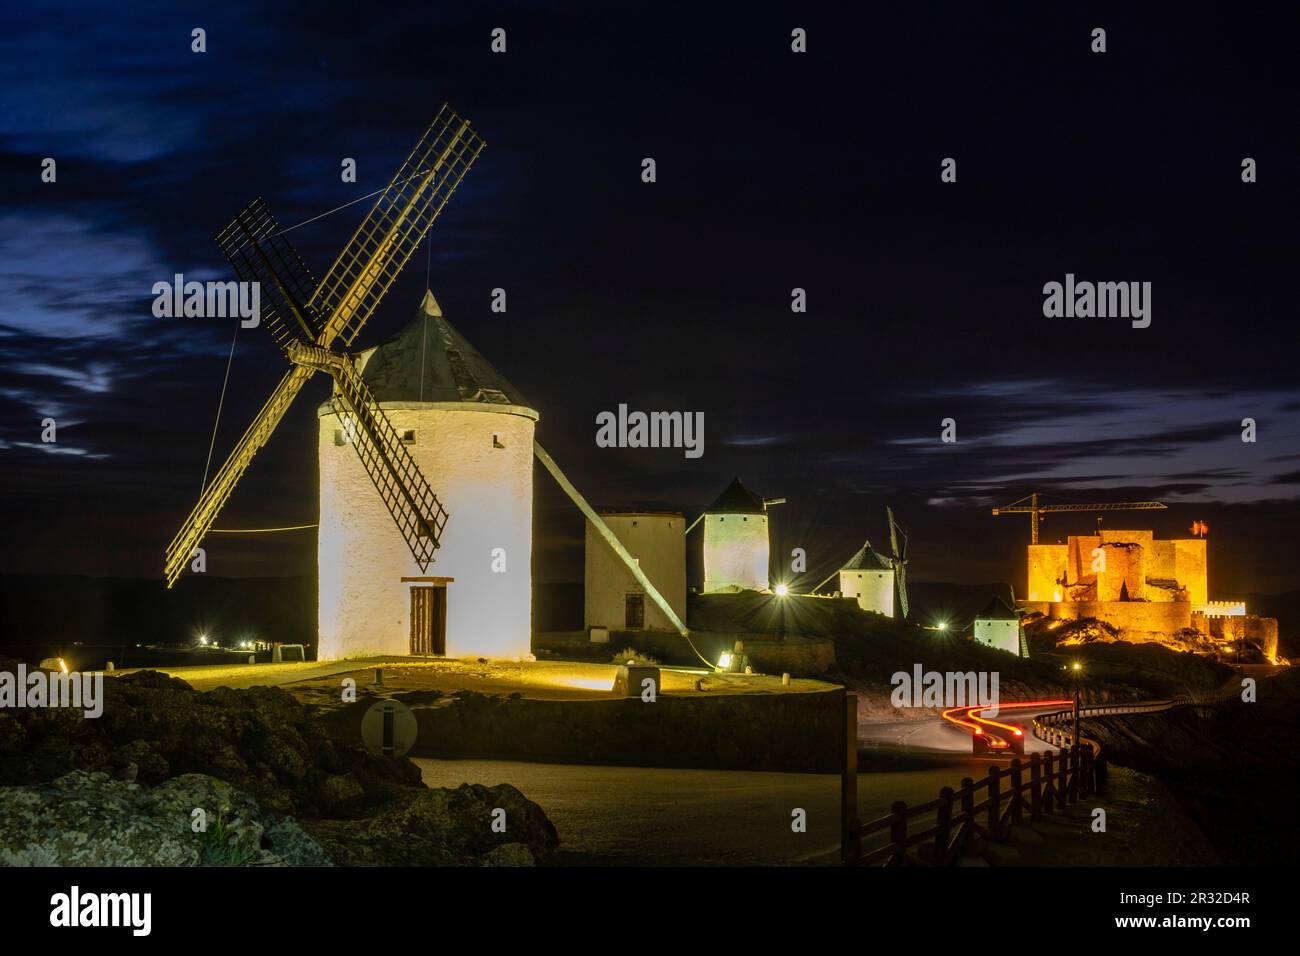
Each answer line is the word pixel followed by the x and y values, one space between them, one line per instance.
pixel 939 832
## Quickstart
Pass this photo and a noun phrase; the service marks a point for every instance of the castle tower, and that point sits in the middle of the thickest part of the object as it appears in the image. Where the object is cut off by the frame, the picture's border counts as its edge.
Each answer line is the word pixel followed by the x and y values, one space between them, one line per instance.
pixel 735 541
pixel 471 433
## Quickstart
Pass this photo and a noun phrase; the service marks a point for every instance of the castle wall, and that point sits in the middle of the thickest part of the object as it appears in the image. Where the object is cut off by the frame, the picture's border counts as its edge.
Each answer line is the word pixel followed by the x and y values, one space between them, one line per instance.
pixel 364 606
pixel 658 542
pixel 1160 561
pixel 1247 627
pixel 735 552
pixel 874 590
pixel 1046 566
pixel 1191 569
pixel 1123 571
pixel 1080 559
pixel 1137 621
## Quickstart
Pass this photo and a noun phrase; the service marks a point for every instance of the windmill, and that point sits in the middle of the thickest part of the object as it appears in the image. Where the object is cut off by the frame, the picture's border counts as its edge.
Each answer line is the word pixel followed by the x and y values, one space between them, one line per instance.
pixel 898 559
pixel 310 322
pixel 863 576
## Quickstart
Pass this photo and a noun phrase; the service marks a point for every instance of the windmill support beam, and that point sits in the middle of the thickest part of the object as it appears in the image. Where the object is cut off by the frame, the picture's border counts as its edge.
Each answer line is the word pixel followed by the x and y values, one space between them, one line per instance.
pixel 609 538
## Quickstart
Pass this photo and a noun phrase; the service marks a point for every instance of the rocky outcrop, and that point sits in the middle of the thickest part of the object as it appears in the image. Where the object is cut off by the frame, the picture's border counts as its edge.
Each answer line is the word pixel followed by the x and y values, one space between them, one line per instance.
pixel 156 727
pixel 121 789
pixel 470 826
pixel 90 819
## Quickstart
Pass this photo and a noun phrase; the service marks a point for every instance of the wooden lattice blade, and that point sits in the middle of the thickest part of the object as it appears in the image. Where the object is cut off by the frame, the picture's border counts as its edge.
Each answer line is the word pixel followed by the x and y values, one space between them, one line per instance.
pixel 260 253
pixel 416 511
pixel 900 571
pixel 214 496
pixel 395 227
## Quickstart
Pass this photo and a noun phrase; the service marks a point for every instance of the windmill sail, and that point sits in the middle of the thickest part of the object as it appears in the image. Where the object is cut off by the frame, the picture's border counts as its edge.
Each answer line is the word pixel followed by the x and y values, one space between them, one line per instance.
pixel 260 253
pixel 898 559
pixel 395 226
pixel 306 319
pixel 416 510
pixel 215 494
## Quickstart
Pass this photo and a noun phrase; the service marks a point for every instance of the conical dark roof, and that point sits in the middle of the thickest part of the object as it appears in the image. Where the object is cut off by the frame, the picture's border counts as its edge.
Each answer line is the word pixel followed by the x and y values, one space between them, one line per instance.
pixel 997 610
pixel 452 370
pixel 867 559
pixel 737 500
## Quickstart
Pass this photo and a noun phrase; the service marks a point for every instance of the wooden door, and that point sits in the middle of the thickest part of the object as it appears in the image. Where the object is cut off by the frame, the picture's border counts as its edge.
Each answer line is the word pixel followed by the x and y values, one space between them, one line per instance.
pixel 429 620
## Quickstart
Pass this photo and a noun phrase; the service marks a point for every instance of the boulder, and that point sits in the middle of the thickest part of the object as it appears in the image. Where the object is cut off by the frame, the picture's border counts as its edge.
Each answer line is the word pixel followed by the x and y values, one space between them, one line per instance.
pixel 444 828
pixel 90 819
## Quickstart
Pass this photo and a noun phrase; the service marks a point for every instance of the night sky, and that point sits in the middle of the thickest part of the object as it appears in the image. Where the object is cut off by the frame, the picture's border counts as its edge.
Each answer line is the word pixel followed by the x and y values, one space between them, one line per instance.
pixel 775 171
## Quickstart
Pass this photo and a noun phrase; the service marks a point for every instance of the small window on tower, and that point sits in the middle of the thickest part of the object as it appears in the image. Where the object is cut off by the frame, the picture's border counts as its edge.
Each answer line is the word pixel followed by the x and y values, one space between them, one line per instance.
pixel 634 611
pixel 496 441
pixel 408 436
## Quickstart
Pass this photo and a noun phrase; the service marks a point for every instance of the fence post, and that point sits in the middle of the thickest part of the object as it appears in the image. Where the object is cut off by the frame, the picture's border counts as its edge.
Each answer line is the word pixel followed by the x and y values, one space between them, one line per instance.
pixel 1035 785
pixel 943 837
pixel 1076 764
pixel 1049 777
pixel 1017 782
pixel 850 834
pixel 995 801
pixel 898 833
pixel 1063 786
pixel 967 810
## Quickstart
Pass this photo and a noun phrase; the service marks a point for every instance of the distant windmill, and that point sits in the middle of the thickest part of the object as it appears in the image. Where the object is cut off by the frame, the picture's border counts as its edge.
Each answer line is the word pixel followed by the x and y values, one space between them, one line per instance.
pixel 878 582
pixel 308 320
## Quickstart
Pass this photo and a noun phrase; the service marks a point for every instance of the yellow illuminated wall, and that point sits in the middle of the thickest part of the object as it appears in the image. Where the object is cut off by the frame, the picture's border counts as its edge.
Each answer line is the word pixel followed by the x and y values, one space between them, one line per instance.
pixel 478 458
pixel 735 552
pixel 658 542
pixel 874 590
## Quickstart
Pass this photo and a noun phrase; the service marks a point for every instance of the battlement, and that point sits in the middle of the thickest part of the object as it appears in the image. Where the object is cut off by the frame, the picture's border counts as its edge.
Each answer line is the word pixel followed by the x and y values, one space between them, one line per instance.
pixel 1220 609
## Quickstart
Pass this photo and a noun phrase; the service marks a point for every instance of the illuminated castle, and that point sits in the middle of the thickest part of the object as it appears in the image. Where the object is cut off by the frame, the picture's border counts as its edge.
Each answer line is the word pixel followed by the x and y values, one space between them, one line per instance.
pixel 1148 589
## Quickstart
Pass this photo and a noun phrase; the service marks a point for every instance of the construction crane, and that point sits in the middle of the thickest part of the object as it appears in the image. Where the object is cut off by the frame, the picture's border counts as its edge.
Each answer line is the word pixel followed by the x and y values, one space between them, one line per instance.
pixel 1034 509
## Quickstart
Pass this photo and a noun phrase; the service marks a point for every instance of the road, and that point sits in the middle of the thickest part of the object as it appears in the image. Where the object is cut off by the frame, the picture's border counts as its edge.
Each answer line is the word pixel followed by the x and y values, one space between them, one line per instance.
pixel 934 735
pixel 655 816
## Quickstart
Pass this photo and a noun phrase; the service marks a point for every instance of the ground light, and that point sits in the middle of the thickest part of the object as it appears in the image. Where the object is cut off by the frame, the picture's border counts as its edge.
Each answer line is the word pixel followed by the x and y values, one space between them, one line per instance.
pixel 782 590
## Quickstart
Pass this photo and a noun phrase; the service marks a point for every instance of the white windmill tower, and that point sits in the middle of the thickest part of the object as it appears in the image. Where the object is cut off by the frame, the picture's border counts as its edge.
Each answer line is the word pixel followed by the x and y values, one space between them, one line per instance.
pixel 470 433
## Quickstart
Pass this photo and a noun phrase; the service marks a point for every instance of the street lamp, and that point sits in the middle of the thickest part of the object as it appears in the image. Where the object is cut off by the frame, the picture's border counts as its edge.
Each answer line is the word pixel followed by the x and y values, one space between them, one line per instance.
pixel 1078 671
